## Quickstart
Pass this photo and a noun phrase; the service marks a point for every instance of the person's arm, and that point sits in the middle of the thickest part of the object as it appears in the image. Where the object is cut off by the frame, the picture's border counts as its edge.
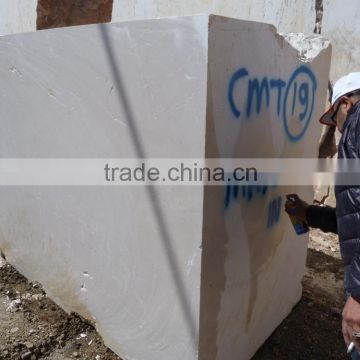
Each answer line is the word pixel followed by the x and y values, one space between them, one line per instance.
pixel 322 217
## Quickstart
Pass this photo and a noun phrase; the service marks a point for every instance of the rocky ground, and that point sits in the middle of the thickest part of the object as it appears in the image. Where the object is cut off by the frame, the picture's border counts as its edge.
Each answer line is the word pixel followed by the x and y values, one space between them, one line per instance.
pixel 33 327
pixel 313 330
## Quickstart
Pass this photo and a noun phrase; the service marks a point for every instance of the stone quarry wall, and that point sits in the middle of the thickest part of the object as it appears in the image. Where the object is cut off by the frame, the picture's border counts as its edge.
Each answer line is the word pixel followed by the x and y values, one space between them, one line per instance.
pixel 17 16
pixel 336 19
pixel 340 24
pixel 286 15
pixel 51 14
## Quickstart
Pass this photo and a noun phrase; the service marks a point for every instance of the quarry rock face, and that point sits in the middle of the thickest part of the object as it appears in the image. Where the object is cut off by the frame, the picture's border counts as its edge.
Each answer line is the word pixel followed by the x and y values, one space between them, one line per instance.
pixel 17 16
pixel 287 15
pixel 165 272
pixel 52 14
pixel 338 25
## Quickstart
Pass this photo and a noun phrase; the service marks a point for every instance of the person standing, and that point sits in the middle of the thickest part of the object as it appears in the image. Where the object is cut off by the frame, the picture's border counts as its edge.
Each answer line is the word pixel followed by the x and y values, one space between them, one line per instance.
pixel 343 220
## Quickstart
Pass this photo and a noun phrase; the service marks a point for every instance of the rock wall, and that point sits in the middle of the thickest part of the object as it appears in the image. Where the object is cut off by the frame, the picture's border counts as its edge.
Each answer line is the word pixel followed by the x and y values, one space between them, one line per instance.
pixel 17 16
pixel 340 24
pixel 59 13
pixel 286 15
pixel 336 19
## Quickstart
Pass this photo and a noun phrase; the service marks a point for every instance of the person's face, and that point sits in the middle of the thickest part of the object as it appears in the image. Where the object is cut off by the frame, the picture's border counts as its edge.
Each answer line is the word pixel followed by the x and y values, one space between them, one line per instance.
pixel 342 111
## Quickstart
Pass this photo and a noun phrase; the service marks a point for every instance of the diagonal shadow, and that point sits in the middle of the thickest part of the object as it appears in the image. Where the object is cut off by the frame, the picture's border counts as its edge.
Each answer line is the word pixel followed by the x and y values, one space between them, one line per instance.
pixel 151 190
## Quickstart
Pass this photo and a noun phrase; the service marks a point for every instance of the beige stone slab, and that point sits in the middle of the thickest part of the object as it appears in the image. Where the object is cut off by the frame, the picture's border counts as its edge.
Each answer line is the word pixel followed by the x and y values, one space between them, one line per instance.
pixel 167 272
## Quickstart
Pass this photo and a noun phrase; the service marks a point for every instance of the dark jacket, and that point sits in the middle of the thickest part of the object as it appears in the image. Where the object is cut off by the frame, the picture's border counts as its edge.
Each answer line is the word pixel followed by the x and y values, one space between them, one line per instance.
pixel 322 217
pixel 345 219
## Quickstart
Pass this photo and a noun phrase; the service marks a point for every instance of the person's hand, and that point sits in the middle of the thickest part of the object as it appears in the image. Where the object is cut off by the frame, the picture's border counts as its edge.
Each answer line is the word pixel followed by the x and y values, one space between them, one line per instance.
pixel 296 207
pixel 351 322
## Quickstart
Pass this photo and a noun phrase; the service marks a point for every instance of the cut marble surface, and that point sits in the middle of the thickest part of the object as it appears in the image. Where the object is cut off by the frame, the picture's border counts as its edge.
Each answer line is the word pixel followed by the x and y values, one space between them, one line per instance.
pixel 167 272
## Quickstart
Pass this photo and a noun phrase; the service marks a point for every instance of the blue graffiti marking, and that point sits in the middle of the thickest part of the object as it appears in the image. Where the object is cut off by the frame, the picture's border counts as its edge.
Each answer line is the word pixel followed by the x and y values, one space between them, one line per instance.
pixel 238 75
pixel 304 99
pixel 294 98
pixel 274 212
pixel 300 93
pixel 278 84
pixel 247 192
pixel 254 87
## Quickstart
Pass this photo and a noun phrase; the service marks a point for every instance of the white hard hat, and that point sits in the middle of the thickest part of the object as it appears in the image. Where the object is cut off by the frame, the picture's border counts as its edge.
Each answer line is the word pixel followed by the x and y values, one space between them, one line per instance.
pixel 343 86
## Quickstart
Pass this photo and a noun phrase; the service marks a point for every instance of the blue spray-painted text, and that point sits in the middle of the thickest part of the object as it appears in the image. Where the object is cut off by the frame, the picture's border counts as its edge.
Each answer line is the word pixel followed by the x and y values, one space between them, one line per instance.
pixel 295 98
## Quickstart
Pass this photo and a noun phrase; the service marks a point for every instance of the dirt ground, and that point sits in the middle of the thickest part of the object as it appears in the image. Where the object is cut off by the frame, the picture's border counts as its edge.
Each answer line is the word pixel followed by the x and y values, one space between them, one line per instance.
pixel 313 330
pixel 33 327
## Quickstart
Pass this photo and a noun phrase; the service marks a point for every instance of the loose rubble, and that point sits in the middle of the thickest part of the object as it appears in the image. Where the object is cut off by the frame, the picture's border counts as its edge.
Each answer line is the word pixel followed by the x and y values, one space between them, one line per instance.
pixel 33 327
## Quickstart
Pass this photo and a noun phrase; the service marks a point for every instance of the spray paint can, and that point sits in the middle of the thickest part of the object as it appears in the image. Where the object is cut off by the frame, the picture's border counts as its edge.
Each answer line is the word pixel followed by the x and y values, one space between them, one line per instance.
pixel 300 227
